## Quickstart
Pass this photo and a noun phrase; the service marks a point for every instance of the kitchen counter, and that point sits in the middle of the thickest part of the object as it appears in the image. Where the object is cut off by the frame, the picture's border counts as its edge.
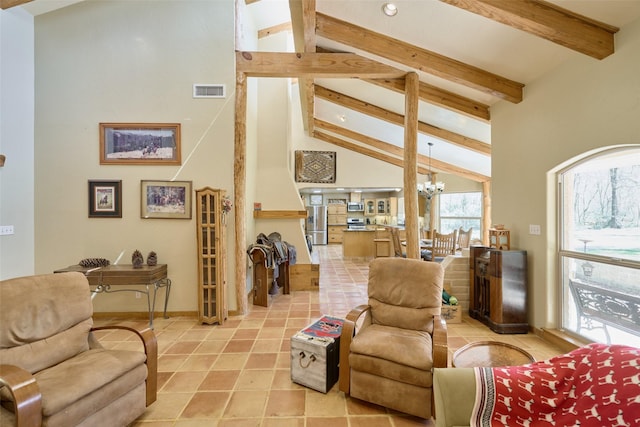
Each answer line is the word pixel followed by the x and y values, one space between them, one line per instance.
pixel 358 243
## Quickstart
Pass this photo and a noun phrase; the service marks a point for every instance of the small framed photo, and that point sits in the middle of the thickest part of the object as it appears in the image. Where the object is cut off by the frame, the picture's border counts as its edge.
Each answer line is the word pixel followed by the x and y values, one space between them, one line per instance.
pixel 316 199
pixel 105 199
pixel 165 199
pixel 140 144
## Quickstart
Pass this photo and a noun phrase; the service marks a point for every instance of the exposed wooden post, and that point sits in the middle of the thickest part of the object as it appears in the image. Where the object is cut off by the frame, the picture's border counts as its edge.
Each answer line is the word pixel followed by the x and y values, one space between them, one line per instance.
pixel 239 190
pixel 486 209
pixel 412 85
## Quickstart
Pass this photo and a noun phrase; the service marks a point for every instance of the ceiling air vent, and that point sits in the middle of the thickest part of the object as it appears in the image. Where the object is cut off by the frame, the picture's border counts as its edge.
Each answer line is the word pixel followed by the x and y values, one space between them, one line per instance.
pixel 208 91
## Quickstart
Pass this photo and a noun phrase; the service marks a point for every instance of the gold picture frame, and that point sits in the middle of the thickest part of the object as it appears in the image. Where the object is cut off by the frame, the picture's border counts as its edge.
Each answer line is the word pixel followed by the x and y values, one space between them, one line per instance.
pixel 140 144
pixel 165 199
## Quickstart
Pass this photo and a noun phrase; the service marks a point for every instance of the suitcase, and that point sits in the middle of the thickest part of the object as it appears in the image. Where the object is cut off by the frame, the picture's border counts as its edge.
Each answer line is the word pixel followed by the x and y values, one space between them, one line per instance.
pixel 315 354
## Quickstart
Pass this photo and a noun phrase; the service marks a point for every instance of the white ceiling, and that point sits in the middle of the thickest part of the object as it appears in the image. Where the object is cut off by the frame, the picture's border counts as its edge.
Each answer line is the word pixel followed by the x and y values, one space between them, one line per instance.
pixel 452 32
pixel 441 28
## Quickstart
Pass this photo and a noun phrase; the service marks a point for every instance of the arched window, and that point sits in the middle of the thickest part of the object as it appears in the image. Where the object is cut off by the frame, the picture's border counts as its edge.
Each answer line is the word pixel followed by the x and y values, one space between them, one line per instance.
pixel 599 256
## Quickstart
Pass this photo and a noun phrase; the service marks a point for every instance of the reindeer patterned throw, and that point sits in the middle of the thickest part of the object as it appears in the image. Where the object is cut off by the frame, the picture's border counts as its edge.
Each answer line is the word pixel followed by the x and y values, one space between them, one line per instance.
pixel 596 385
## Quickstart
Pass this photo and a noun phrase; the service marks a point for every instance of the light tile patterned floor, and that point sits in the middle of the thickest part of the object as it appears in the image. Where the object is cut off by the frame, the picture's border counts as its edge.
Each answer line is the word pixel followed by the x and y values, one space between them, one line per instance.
pixel 238 374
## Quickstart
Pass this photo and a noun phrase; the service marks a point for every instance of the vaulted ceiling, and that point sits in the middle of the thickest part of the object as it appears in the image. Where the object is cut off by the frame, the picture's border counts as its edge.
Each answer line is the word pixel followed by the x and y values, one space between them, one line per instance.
pixel 468 54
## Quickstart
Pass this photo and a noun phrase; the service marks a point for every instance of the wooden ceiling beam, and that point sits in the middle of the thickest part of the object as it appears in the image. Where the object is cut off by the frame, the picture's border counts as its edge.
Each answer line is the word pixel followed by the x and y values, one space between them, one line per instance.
pixel 433 95
pixel 548 21
pixel 418 58
pixel 423 161
pixel 441 98
pixel 303 17
pixel 398 119
pixel 314 65
pixel 266 32
pixel 6 4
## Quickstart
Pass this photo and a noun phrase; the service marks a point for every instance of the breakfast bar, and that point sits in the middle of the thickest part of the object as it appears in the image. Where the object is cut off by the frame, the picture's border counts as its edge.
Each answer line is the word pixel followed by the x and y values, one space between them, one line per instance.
pixel 358 243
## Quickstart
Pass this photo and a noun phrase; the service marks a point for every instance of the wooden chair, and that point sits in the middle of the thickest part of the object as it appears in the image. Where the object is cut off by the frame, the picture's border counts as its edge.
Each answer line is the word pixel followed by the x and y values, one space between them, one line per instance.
pixel 397 246
pixel 443 245
pixel 464 238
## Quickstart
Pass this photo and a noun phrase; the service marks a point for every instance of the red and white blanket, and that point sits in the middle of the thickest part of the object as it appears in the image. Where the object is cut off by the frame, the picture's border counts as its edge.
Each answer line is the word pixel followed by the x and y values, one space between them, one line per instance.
pixel 596 385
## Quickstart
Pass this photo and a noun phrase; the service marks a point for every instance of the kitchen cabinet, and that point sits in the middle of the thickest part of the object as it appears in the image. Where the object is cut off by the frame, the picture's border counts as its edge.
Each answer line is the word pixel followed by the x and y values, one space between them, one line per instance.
pixel 337 215
pixel 381 206
pixel 335 233
pixel 393 206
pixel 211 256
pixel 370 207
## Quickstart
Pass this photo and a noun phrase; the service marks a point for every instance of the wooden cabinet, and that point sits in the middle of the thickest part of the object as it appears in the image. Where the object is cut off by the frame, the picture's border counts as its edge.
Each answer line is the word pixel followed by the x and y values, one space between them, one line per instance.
pixel 370 207
pixel 335 233
pixel 381 206
pixel 498 294
pixel 393 206
pixel 212 279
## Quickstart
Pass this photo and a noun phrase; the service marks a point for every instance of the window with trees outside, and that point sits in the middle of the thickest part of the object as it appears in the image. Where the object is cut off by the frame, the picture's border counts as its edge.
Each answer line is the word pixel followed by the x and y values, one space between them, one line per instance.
pixel 460 210
pixel 599 256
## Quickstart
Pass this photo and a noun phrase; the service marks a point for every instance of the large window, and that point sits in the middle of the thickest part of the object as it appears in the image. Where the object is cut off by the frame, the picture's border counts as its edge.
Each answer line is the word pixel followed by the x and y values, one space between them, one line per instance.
pixel 600 247
pixel 460 210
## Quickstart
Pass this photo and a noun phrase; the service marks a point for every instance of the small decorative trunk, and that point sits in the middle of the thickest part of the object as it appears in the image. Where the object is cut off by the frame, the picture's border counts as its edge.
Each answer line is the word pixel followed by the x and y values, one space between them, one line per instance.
pixel 315 354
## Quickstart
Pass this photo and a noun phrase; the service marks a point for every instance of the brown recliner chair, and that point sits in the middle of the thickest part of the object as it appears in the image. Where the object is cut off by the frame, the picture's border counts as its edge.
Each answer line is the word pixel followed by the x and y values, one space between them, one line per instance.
pixel 53 369
pixel 389 361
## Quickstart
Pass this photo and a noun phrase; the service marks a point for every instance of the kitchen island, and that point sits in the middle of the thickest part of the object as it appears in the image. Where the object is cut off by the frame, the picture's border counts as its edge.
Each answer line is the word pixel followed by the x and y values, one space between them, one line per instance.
pixel 358 243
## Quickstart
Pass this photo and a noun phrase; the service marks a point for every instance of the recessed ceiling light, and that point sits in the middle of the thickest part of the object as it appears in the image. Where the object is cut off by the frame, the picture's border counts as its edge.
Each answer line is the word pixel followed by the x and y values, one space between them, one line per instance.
pixel 389 9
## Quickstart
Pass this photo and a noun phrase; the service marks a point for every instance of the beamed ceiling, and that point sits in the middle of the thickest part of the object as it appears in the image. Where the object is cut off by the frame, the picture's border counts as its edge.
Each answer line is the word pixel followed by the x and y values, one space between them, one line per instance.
pixel 352 60
pixel 468 54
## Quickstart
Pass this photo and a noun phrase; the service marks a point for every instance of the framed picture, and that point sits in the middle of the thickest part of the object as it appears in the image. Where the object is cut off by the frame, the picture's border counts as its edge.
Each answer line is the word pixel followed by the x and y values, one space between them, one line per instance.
pixel 316 199
pixel 140 144
pixel 165 199
pixel 105 199
pixel 315 166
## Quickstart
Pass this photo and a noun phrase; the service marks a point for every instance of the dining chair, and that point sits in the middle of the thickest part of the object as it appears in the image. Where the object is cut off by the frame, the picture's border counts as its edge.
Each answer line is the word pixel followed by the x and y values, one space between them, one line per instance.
pixel 464 238
pixel 397 246
pixel 443 245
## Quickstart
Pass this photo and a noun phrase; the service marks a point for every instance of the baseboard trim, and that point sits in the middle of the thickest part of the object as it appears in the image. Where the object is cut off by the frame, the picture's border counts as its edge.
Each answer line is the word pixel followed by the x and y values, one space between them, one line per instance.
pixel 142 314
pixel 559 338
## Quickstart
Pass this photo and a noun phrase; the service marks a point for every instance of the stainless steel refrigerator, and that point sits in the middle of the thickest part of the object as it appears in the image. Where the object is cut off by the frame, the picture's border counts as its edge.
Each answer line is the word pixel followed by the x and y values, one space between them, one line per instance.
pixel 317 224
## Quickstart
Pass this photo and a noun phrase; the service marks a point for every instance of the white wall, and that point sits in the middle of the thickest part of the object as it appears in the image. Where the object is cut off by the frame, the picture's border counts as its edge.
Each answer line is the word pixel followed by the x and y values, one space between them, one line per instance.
pixel 130 62
pixel 16 142
pixel 583 105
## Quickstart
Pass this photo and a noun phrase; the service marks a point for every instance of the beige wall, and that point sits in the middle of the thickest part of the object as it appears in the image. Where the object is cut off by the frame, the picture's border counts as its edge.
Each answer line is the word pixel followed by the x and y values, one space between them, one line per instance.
pixel 130 62
pixel 16 142
pixel 583 105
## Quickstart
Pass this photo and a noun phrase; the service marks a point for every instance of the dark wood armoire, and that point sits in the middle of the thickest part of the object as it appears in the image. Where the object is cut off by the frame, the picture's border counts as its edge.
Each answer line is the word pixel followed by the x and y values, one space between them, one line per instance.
pixel 498 294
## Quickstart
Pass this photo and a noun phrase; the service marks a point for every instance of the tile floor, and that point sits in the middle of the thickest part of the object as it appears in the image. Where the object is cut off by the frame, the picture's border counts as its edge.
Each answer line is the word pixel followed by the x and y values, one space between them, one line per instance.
pixel 238 374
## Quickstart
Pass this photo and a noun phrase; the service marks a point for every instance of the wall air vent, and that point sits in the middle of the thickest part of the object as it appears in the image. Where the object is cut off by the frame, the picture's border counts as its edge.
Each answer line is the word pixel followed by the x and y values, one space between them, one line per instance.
pixel 209 91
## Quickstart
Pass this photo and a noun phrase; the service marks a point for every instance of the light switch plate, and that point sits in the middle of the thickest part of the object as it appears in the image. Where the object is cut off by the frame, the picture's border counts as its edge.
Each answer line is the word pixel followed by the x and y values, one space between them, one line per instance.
pixel 534 229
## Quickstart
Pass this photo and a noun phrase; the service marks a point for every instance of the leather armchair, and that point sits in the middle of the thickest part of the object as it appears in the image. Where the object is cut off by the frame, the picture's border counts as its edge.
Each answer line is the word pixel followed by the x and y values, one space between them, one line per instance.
pixel 389 347
pixel 54 370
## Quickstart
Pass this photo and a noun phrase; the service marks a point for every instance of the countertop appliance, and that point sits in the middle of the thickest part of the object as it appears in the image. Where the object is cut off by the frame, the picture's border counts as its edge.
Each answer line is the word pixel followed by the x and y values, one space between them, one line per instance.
pixel 316 224
pixel 356 224
pixel 355 207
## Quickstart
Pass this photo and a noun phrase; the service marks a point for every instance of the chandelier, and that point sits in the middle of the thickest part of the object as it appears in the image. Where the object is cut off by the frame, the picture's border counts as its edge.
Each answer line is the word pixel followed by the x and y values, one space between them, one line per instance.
pixel 430 189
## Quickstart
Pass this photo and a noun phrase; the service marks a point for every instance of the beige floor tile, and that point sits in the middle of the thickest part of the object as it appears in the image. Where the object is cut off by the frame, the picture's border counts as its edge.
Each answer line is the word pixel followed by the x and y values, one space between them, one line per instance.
pixel 255 379
pixel 206 404
pixel 324 405
pixel 246 403
pixel 284 403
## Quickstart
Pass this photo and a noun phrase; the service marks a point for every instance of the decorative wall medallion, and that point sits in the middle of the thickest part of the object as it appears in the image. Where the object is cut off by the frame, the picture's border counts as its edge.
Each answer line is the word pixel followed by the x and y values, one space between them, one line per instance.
pixel 315 166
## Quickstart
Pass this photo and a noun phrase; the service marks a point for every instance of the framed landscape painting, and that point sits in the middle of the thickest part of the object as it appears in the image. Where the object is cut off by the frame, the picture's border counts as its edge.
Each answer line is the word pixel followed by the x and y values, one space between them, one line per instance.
pixel 165 199
pixel 105 199
pixel 140 144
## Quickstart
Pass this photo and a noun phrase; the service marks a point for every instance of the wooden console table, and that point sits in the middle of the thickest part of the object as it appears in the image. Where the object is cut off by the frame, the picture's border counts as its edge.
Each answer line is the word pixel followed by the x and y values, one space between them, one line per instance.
pixel 104 278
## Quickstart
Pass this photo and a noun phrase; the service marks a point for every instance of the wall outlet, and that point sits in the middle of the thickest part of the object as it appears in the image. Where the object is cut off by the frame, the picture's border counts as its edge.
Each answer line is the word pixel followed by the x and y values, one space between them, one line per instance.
pixel 5 230
pixel 534 229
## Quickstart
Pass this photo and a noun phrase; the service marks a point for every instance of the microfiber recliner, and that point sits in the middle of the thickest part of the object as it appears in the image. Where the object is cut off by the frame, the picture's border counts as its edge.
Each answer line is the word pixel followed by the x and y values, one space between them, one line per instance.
pixel 400 337
pixel 54 372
